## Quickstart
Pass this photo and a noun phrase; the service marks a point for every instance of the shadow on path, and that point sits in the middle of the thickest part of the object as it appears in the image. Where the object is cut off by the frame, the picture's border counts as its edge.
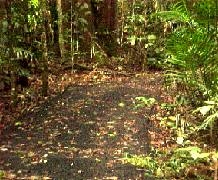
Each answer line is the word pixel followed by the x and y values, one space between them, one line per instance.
pixel 82 133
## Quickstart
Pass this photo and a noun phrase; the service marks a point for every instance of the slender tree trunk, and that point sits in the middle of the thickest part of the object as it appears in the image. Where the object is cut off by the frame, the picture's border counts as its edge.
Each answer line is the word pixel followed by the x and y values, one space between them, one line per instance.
pixel 122 23
pixel 72 35
pixel 54 19
pixel 44 66
pixel 44 50
pixel 144 65
pixel 216 19
pixel 60 32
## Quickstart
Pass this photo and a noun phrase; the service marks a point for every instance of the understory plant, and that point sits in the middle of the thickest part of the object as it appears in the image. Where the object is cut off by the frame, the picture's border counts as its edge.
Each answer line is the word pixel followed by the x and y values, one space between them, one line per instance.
pixel 209 111
pixel 192 65
pixel 184 159
pixel 192 56
pixel 182 162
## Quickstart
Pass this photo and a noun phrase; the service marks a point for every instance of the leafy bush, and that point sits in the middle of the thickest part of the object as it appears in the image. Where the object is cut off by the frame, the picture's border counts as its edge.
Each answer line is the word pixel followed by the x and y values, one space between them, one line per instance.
pixel 177 163
pixel 210 112
pixel 192 51
pixel 192 54
pixel 191 63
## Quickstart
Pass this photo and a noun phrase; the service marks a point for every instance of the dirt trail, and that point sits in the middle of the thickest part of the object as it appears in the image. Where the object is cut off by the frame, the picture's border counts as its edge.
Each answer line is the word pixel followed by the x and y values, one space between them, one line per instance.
pixel 83 133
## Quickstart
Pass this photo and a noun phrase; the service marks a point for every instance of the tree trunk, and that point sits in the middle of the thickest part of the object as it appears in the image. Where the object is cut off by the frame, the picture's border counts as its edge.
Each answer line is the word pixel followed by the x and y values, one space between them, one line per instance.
pixel 216 19
pixel 54 23
pixel 104 19
pixel 44 66
pixel 45 51
pixel 145 56
pixel 60 32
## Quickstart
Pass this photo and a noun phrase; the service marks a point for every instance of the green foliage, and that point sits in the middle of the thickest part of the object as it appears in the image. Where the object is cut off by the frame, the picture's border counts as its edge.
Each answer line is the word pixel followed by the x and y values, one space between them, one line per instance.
pixel 209 112
pixel 176 163
pixel 2 174
pixel 34 3
pixel 80 12
pixel 191 52
pixel 182 161
pixel 74 34
pixel 192 58
pixel 146 162
pixel 206 11
pixel 134 23
pixel 167 106
pixel 142 101
pixel 133 36
pixel 178 13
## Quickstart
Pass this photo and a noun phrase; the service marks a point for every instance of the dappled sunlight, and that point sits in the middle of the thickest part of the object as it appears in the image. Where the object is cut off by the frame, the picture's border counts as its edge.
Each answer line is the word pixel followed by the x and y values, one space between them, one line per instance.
pixel 110 89
pixel 83 132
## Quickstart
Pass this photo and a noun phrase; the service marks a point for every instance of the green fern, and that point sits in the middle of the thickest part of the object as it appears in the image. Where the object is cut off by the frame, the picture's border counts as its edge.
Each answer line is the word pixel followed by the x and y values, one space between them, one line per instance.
pixel 210 112
pixel 192 52
pixel 178 13
pixel 192 56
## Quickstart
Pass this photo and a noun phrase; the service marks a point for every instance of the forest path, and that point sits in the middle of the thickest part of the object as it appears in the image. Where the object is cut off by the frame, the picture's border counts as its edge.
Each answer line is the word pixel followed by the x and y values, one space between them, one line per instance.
pixel 84 132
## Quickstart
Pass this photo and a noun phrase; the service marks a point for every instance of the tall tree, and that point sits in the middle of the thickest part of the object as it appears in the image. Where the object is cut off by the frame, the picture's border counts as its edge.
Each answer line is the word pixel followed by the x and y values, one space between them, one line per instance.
pixel 54 24
pixel 104 20
pixel 60 24
pixel 144 62
pixel 45 50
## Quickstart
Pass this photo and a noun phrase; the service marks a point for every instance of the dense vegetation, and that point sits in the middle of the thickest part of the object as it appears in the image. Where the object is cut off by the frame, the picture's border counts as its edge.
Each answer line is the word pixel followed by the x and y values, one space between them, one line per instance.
pixel 40 39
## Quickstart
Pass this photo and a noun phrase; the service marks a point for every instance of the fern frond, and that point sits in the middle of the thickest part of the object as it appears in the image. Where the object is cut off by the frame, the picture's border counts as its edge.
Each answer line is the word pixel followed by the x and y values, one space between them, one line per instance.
pixel 173 16
pixel 178 13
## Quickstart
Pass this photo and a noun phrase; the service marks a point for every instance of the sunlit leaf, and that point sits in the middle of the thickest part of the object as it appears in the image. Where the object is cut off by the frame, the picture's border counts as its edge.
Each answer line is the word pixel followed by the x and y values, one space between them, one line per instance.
pixel 18 123
pixel 30 154
pixel 159 172
pixel 121 104
pixel 180 140
pixel 172 118
pixel 204 109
